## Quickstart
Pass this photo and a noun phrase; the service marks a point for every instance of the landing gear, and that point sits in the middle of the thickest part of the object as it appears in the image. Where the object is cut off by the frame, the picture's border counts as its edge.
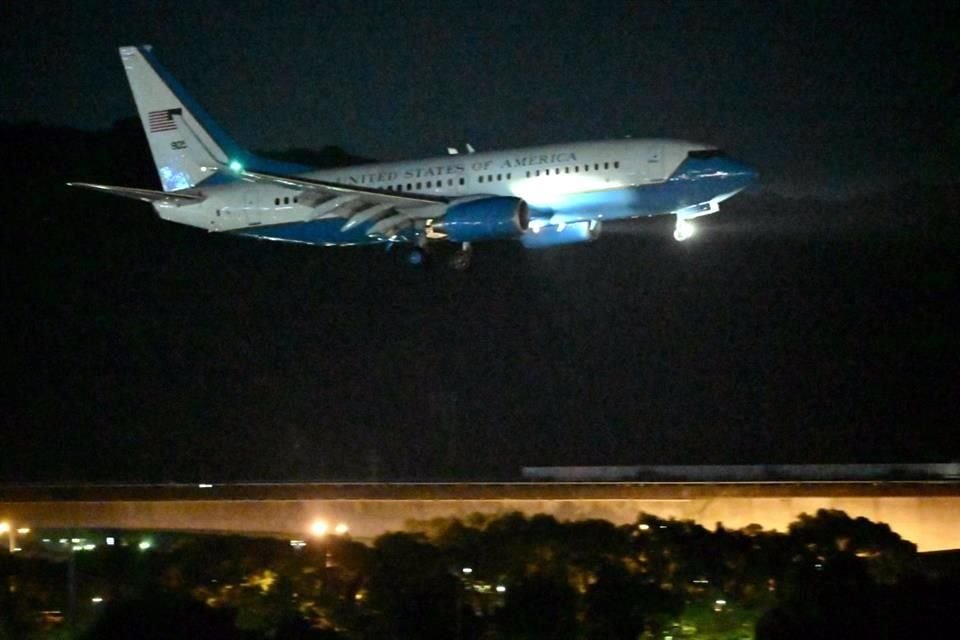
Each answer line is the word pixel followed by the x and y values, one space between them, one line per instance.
pixel 455 256
pixel 685 229
pixel 415 257
pixel 460 259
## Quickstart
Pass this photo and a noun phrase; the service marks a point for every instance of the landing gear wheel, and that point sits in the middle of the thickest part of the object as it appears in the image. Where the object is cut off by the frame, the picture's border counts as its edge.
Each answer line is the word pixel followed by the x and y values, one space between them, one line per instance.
pixel 415 257
pixel 684 230
pixel 460 259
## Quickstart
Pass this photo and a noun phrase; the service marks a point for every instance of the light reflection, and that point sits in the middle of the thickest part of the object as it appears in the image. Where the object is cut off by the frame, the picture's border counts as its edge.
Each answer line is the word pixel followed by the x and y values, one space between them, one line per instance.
pixel 552 191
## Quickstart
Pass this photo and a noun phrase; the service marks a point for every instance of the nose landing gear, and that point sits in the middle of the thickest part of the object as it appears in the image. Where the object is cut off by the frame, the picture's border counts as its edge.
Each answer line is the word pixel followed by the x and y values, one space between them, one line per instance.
pixel 684 230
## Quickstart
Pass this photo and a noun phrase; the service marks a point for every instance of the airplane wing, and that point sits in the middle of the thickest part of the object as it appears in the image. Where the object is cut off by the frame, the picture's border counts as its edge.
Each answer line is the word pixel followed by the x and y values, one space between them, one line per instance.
pixel 389 211
pixel 146 195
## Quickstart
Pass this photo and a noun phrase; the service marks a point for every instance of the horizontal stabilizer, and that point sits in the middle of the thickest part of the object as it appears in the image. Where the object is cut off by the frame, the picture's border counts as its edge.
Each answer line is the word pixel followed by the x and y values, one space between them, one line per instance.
pixel 176 199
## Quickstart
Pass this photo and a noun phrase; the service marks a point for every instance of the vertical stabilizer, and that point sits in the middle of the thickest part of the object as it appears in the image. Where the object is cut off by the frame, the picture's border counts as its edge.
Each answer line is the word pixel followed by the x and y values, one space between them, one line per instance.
pixel 188 147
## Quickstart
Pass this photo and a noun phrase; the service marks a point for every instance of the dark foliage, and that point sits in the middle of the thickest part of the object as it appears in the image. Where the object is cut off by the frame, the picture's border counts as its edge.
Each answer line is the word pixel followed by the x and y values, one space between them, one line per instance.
pixel 162 617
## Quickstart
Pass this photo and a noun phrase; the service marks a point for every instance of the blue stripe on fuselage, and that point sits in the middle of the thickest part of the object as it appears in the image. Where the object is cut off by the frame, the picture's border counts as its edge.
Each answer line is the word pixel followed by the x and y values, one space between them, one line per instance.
pixel 695 181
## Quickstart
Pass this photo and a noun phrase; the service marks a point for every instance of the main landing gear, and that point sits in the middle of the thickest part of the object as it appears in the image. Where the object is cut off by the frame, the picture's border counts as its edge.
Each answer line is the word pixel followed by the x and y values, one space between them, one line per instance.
pixel 461 258
pixel 685 229
pixel 458 258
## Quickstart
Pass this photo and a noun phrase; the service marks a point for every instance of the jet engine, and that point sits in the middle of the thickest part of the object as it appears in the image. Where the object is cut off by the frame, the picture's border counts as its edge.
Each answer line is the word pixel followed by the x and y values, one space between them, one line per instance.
pixel 486 218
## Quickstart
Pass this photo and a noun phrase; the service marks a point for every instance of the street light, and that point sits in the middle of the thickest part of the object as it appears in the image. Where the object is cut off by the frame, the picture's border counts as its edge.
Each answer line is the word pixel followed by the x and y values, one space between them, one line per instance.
pixel 7 528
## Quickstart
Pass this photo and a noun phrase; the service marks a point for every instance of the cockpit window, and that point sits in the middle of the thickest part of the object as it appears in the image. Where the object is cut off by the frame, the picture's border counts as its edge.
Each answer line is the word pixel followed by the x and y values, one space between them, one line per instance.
pixel 705 153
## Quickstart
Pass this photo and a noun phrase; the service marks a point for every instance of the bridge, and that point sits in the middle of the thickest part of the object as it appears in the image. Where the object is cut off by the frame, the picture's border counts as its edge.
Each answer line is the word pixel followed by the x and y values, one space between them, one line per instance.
pixel 926 512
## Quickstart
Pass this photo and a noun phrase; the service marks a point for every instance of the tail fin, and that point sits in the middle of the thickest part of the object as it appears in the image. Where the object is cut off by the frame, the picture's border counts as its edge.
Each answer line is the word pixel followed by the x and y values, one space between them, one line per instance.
pixel 188 147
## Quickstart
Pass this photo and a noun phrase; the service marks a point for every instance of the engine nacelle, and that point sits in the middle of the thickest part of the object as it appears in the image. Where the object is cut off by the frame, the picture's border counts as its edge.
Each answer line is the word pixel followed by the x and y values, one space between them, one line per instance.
pixel 559 234
pixel 487 218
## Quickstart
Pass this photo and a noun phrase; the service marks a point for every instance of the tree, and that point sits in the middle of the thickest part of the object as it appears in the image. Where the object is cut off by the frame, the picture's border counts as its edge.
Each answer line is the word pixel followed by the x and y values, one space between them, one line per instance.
pixel 539 606
pixel 622 605
pixel 412 591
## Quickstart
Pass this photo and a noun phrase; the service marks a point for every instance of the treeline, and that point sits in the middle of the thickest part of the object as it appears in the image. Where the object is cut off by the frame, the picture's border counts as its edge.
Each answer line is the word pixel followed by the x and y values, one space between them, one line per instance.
pixel 508 576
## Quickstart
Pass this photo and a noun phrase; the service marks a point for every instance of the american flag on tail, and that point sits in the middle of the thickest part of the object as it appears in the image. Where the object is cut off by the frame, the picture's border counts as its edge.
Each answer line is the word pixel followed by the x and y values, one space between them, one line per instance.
pixel 163 120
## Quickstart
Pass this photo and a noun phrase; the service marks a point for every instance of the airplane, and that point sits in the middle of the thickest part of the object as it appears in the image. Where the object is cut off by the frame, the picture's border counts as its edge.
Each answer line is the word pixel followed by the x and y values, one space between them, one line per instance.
pixel 541 196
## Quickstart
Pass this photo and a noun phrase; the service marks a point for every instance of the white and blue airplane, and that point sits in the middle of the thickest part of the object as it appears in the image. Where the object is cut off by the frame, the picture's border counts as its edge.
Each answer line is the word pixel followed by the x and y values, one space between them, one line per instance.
pixel 541 196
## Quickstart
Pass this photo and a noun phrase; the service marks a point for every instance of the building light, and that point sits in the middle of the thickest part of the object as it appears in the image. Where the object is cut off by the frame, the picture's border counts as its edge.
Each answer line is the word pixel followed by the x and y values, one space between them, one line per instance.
pixel 144 545
pixel 111 541
pixel 96 600
pixel 467 570
pixel 644 527
pixel 501 588
pixel 319 528
pixel 23 530
pixel 341 529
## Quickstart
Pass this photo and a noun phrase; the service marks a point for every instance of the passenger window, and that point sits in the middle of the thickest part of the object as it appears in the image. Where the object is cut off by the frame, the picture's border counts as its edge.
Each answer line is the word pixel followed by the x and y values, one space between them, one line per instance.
pixel 499 177
pixel 596 166
pixel 586 167
pixel 480 179
pixel 409 186
pixel 276 201
pixel 296 199
pixel 286 200
pixel 616 165
pixel 606 165
pixel 461 181
pixel 576 169
pixel 508 176
pixel 419 186
pixel 538 173
pixel 566 169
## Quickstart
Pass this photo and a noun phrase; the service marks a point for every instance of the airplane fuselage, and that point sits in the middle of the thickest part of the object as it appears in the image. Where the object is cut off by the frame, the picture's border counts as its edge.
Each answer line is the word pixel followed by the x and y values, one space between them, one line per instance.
pixel 562 184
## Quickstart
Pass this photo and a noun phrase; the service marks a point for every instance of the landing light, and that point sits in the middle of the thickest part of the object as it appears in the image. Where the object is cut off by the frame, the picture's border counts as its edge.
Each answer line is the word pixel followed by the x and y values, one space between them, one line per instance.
pixel 319 528
pixel 684 230
pixel 236 166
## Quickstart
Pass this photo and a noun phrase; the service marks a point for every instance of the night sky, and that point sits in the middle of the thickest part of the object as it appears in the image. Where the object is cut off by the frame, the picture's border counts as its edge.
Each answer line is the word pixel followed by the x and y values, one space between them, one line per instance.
pixel 812 320
pixel 823 97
